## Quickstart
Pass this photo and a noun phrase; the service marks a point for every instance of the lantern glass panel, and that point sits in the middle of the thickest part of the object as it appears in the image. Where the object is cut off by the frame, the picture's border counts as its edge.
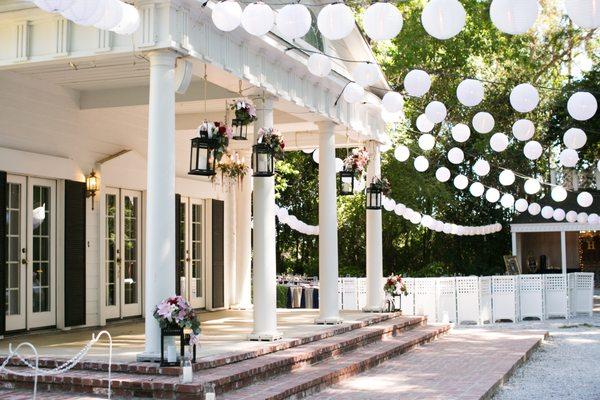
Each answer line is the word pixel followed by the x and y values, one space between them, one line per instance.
pixel 241 130
pixel 373 196
pixel 346 183
pixel 202 157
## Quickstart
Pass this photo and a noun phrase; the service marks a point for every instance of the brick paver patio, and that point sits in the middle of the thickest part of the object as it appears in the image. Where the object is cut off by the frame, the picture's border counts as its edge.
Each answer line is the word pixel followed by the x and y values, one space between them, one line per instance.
pixel 466 364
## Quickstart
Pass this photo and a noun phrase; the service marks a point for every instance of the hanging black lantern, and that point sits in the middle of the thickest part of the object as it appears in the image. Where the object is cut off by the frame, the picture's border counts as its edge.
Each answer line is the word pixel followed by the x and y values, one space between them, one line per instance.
pixel 346 183
pixel 240 131
pixel 373 194
pixel 202 155
pixel 262 160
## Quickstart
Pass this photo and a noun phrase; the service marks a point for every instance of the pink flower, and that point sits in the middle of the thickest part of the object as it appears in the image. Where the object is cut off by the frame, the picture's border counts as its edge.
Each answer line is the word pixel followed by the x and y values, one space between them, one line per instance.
pixel 251 110
pixel 229 132
pixel 164 310
pixel 194 339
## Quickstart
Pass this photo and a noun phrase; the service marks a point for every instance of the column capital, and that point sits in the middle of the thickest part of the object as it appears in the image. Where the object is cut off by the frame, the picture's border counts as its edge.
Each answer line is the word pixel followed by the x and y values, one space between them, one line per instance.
pixel 326 125
pixel 162 57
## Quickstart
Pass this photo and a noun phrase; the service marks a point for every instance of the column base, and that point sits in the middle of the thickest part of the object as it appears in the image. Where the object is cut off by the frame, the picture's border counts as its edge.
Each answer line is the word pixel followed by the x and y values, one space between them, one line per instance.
pixel 329 321
pixel 265 336
pixel 374 309
pixel 148 357
pixel 238 307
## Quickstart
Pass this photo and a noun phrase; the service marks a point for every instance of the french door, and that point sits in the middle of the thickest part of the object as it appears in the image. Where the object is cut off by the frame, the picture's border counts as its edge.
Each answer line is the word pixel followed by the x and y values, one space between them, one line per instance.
pixel 31 253
pixel 123 250
pixel 191 248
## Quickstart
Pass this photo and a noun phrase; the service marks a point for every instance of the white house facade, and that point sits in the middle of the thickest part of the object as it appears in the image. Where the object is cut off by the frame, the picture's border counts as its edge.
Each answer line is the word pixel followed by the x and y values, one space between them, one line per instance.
pixel 76 99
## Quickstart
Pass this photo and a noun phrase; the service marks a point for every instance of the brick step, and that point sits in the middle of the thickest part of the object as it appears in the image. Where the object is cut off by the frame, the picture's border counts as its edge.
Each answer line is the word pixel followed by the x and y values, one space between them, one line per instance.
pixel 221 359
pixel 313 378
pixel 224 378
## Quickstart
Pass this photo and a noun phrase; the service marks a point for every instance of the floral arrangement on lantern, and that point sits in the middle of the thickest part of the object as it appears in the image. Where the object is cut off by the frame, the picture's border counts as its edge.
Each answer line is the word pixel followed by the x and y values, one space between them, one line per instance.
pixel 395 285
pixel 274 139
pixel 219 133
pixel 176 312
pixel 234 169
pixel 357 162
pixel 383 185
pixel 244 111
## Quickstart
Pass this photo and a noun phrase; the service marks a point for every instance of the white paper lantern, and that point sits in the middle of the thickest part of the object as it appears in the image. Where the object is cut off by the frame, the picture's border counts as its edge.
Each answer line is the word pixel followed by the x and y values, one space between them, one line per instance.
pixel 582 105
pixel 111 16
pixel 293 21
pixel 571 216
pixel 436 112
pixel 85 12
pixel 359 185
pixel 523 129
pixel 524 98
pixel 258 19
pixel 499 142
pixel 470 92
pixel 584 13
pixel 585 199
pixel 568 158
pixel 426 141
pixel 476 189
pixel 227 15
pixel 514 16
pixel 353 93
pixel 401 153
pixel 534 209
pixel 547 212
pixel 481 167
pixel 415 218
pixel 389 204
pixel 582 218
pixel 558 193
pixel 391 118
pixel 53 6
pixel 421 164
pixel 382 21
pixel 399 209
pixel 339 164
pixel 442 174
pixel 521 205
pixel 559 214
pixel 507 200
pixel 598 166
pixel 533 150
pixel 593 219
pixel 408 213
pixel 492 195
pixel 315 156
pixel 424 124
pixel 392 101
pixel 366 74
pixel 461 133
pixel 456 155
pixel 417 83
pixel 506 177
pixel 532 186
pixel 130 22
pixel 335 21
pixel 426 221
pixel 461 182
pixel 574 138
pixel 447 228
pixel 98 16
pixel 483 122
pixel 318 64
pixel 443 19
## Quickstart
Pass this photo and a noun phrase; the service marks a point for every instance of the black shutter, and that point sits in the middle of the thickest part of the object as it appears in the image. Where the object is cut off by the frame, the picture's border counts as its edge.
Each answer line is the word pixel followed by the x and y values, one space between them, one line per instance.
pixel 178 238
pixel 218 253
pixel 3 270
pixel 74 253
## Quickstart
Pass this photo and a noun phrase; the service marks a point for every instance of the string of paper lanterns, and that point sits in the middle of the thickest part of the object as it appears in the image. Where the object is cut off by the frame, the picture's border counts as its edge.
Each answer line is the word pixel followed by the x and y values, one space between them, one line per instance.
pixel 112 15
pixel 294 223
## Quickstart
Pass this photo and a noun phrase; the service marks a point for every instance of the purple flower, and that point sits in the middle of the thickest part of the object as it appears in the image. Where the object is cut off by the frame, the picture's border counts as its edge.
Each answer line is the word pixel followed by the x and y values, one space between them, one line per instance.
pixel 164 309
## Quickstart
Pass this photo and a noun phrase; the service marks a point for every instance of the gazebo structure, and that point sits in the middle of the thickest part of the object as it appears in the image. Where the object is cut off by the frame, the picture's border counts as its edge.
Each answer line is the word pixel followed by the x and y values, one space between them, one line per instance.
pixel 76 99
pixel 549 246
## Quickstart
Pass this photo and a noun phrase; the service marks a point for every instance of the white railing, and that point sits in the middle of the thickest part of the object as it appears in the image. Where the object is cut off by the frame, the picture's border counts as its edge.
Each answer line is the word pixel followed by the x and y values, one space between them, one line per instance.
pixel 485 299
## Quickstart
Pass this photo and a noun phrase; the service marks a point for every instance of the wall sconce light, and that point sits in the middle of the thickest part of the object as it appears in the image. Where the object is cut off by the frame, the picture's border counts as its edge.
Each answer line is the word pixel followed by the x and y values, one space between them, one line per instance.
pixel 91 186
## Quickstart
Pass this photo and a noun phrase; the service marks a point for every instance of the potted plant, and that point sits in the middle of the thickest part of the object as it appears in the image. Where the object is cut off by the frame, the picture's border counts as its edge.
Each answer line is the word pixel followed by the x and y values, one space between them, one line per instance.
pixel 175 313
pixel 233 170
pixel 394 286
pixel 273 139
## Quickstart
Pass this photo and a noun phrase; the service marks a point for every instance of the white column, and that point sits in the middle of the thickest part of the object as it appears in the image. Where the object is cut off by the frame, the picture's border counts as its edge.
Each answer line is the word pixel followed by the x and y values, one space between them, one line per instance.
pixel 244 239
pixel 230 242
pixel 264 265
pixel 514 243
pixel 328 233
pixel 160 195
pixel 375 295
pixel 563 251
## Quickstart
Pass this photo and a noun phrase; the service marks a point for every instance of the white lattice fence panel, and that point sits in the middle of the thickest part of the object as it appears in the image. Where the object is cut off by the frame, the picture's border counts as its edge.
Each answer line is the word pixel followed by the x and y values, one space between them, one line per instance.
pixel 408 301
pixel 362 293
pixel 340 294
pixel 446 300
pixel 581 293
pixel 350 294
pixel 467 299
pixel 504 298
pixel 485 299
pixel 555 296
pixel 425 298
pixel 531 296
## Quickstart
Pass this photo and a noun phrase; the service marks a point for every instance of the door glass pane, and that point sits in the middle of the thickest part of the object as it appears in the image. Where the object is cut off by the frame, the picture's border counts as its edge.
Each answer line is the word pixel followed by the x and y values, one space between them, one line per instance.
pixel 111 249
pixel 182 239
pixel 41 249
pixel 196 245
pixel 13 248
pixel 130 241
